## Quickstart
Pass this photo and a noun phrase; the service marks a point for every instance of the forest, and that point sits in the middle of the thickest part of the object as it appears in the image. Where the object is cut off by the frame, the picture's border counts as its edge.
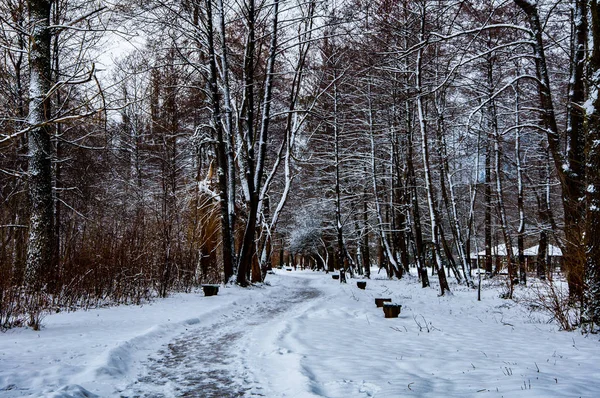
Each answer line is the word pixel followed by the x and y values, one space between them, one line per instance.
pixel 148 147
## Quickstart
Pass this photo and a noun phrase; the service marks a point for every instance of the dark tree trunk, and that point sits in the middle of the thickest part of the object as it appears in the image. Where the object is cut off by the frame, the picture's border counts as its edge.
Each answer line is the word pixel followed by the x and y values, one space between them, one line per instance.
pixel 444 169
pixel 247 248
pixel 281 254
pixel 542 256
pixel 255 162
pixel 366 255
pixel 570 169
pixel 488 208
pixel 412 180
pixel 398 216
pixel 221 146
pixel 591 313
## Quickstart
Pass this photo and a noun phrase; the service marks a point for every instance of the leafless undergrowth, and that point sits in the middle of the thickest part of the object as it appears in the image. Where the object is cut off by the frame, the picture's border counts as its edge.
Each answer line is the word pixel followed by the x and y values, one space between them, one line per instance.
pixel 552 298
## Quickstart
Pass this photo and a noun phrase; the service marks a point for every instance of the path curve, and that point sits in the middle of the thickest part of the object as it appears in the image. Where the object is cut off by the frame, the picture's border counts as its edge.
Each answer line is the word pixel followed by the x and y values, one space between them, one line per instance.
pixel 212 361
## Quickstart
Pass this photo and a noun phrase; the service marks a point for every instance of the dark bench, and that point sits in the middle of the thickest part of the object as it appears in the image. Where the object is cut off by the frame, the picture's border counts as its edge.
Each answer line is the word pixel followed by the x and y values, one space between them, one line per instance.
pixel 210 290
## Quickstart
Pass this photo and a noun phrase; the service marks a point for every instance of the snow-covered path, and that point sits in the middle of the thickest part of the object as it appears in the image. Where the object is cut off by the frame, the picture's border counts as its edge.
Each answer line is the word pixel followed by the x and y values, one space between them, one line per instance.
pixel 303 335
pixel 215 360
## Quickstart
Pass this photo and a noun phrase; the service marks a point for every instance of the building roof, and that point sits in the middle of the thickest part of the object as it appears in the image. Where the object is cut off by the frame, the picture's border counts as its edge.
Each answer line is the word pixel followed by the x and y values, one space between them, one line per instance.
pixel 553 251
pixel 500 250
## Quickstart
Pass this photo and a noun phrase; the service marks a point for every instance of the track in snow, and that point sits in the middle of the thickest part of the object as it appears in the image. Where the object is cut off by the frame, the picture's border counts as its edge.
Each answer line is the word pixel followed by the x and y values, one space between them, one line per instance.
pixel 211 361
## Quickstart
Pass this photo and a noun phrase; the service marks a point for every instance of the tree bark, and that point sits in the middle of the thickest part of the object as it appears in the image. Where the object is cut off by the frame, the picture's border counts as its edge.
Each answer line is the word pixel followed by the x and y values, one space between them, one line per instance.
pixel 222 165
pixel 418 238
pixel 255 162
pixel 397 271
pixel 366 255
pixel 444 287
pixel 591 311
pixel 520 192
pixel 569 168
pixel 41 255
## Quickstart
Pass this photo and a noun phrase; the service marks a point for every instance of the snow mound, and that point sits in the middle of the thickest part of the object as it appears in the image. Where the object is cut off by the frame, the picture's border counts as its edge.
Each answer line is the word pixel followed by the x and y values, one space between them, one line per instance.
pixel 73 391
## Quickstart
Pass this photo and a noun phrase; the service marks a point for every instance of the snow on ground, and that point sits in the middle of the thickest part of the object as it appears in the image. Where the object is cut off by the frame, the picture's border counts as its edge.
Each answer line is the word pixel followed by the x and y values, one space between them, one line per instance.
pixel 303 335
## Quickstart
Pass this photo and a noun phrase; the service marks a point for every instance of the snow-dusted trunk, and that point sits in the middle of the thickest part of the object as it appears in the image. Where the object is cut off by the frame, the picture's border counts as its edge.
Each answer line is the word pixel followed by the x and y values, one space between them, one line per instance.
pixel 591 313
pixel 339 254
pixel 502 210
pixel 246 252
pixel 257 273
pixel 488 205
pixel 428 183
pixel 544 213
pixel 53 281
pixel 228 131
pixel 398 198
pixel 569 168
pixel 359 256
pixel 439 105
pixel 416 212
pixel 293 125
pixel 592 232
pixel 449 204
pixel 266 103
pixel 493 127
pixel 170 129
pixel 40 248
pixel 520 192
pixel 366 255
pixel 397 271
pixel 19 239
pixel 221 149
pixel 270 228
pixel 456 227
pixel 473 197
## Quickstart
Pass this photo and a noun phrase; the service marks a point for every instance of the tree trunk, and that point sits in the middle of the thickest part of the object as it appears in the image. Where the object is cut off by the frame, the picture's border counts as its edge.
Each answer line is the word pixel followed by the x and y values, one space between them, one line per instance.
pixel 444 287
pixel 398 198
pixel 221 146
pixel 570 168
pixel 228 135
pixel 397 271
pixel 366 255
pixel 488 207
pixel 41 255
pixel 493 128
pixel 246 252
pixel 520 192
pixel 419 246
pixel 444 172
pixel 255 163
pixel 591 310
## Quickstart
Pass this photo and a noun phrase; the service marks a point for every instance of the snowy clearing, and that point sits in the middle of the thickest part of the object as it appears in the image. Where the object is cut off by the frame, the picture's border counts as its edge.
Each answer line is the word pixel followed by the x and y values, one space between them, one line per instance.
pixel 302 335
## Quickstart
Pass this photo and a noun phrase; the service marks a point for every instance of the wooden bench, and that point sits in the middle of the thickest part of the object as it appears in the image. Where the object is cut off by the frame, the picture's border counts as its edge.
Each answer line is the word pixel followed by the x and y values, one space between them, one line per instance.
pixel 379 301
pixel 210 290
pixel 391 310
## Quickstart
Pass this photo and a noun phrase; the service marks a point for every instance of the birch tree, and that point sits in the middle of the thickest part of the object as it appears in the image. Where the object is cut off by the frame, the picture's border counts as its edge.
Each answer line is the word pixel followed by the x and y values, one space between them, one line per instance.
pixel 431 200
pixel 41 252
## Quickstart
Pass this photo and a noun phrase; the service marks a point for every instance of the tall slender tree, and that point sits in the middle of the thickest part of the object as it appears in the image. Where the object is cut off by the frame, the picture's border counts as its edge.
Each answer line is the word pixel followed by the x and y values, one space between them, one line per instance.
pixel 41 250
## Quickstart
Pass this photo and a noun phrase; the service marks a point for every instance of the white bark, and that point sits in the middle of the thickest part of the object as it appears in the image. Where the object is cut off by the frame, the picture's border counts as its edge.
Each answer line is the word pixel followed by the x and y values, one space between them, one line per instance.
pixel 427 171
pixel 40 250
